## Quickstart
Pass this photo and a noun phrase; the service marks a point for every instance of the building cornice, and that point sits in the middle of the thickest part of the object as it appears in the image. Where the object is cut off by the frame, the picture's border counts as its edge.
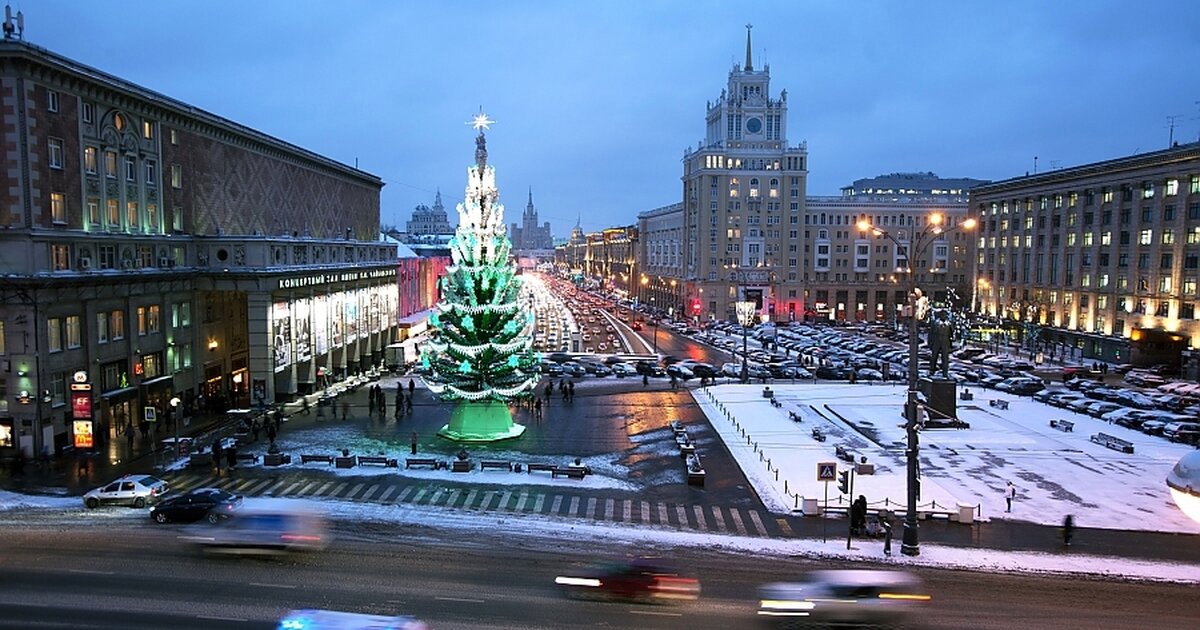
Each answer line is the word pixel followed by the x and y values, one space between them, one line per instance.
pixel 1107 168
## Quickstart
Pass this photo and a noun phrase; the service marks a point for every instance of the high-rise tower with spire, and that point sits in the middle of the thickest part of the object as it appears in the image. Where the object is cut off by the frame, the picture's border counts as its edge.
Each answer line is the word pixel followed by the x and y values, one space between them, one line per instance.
pixel 427 221
pixel 529 238
pixel 743 203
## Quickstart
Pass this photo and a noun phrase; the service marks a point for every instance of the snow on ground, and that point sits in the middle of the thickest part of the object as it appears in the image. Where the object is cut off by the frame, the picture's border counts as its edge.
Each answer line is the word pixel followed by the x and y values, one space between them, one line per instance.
pixel 1056 473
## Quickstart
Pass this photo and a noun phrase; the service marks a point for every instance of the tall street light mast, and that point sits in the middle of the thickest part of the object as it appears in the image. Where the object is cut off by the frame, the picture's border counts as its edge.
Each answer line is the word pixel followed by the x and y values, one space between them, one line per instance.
pixel 919 242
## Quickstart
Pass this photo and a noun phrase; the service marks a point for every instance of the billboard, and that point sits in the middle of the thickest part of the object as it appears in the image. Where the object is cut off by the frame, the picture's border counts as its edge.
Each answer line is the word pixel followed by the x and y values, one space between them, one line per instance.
pixel 281 323
pixel 302 329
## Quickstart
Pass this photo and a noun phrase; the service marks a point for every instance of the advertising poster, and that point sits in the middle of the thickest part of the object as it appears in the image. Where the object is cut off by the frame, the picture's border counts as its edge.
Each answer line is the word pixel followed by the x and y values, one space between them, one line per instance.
pixel 337 312
pixel 373 304
pixel 82 430
pixel 281 324
pixel 364 323
pixel 351 323
pixel 320 324
pixel 302 329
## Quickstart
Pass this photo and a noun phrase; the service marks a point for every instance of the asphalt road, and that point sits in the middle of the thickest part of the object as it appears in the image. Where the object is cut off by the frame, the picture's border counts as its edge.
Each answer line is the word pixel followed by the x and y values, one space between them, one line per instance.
pixel 129 575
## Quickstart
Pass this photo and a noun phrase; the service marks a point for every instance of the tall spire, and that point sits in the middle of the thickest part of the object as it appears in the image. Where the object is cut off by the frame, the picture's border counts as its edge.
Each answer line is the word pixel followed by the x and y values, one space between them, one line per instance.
pixel 749 64
pixel 437 201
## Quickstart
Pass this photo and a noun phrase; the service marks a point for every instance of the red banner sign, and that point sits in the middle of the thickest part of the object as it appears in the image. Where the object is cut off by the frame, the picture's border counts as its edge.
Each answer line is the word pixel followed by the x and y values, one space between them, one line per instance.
pixel 81 405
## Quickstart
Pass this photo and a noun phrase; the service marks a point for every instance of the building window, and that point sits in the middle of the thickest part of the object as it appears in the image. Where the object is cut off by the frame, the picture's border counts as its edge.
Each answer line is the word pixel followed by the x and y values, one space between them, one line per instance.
pixel 101 327
pixel 60 257
pixel 130 168
pixel 56 153
pixel 151 173
pixel 152 218
pixel 116 325
pixel 1169 212
pixel 1168 236
pixel 177 219
pixel 93 211
pixel 110 164
pixel 131 216
pixel 1187 310
pixel 1172 187
pixel 58 207
pixel 51 101
pixel 181 315
pixel 1147 215
pixel 74 332
pixel 1145 237
pixel 176 176
pixel 1166 261
pixel 174 137
pixel 54 334
pixel 148 130
pixel 58 389
pixel 153 319
pixel 90 160
pixel 87 112
pixel 114 214
pixel 108 256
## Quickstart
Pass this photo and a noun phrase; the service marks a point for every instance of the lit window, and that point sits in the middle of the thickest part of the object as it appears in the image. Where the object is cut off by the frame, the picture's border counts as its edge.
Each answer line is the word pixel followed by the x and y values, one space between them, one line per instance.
pixel 1168 236
pixel 60 257
pixel 58 207
pixel 176 176
pixel 153 319
pixel 114 213
pixel 54 334
pixel 1172 187
pixel 93 211
pixel 141 320
pixel 74 331
pixel 56 153
pixel 102 327
pixel 89 160
pixel 132 221
pixel 174 137
pixel 1145 237
pixel 148 130
pixel 51 101
pixel 117 325
pixel 110 164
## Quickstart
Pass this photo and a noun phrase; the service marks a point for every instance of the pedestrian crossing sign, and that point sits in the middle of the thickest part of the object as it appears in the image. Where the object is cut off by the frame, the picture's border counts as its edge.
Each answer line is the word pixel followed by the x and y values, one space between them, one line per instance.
pixel 151 414
pixel 826 471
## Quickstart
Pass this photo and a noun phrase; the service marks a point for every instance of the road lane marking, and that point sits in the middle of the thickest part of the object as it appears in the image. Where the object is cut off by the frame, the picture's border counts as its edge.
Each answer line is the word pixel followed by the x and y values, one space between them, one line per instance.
pixel 662 514
pixel 573 509
pixel 524 496
pixel 681 512
pixel 787 529
pixel 608 509
pixel 256 488
pixel 591 508
pixel 387 493
pixel 737 521
pixel 658 613
pixel 537 505
pixel 269 585
pixel 416 500
pixel 719 519
pixel 701 523
pixel 403 493
pixel 470 497
pixel 460 599
pixel 218 618
pixel 91 572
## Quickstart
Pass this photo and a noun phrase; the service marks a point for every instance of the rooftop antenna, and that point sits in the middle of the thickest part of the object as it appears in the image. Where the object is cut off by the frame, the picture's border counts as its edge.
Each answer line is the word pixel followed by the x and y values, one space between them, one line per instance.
pixel 13 26
pixel 1171 130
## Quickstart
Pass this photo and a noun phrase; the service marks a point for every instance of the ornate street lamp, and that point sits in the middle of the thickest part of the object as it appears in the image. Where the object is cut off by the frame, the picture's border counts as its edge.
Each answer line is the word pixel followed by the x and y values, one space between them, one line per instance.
pixel 919 242
pixel 745 314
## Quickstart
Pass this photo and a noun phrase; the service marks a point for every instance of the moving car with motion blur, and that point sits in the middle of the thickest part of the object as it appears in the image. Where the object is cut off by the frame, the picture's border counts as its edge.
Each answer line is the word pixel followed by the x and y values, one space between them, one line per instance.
pixel 265 531
pixel 136 490
pixel 640 579
pixel 843 597
pixel 335 620
pixel 209 504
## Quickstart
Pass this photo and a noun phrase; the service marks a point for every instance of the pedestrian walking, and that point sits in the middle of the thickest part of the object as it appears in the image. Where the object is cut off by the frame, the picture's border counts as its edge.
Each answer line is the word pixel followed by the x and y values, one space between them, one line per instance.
pixel 1068 531
pixel 216 454
pixel 571 390
pixel 537 408
pixel 382 404
pixel 231 457
pixel 255 428
pixel 129 437
pixel 345 409
pixel 1010 493
pixel 858 514
pixel 414 442
pixel 371 401
pixel 304 404
pixel 411 387
pixel 549 391
pixel 408 405
pixel 271 433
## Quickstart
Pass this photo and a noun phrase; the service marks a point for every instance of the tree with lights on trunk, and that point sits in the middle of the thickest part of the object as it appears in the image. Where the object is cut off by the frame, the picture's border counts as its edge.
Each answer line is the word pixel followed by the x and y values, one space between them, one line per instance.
pixel 482 351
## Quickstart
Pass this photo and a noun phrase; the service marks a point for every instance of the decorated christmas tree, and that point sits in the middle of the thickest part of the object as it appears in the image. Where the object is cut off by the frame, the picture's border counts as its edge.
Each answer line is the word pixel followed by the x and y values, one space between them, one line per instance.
pixel 482 350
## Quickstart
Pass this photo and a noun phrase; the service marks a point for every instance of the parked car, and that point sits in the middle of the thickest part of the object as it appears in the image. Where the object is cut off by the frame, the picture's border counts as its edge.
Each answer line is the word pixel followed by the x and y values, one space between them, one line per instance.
pixel 136 490
pixel 621 370
pixel 646 368
pixel 1021 385
pixel 210 504
pixel 679 371
pixel 638 579
pixel 1181 431
pixel 1097 409
pixel 853 598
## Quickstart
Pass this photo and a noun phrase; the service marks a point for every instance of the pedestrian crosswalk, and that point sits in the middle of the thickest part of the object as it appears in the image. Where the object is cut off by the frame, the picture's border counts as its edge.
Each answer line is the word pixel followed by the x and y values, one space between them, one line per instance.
pixel 731 520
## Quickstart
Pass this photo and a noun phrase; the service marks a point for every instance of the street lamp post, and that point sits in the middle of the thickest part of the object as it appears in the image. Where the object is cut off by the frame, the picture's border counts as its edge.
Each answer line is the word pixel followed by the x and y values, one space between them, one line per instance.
pixel 745 314
pixel 919 242
pixel 175 420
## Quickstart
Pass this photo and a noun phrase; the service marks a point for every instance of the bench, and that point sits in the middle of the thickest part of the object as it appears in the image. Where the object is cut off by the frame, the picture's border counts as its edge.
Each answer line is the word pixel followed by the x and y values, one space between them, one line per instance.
pixel 460 465
pixel 532 466
pixel 998 404
pixel 378 460
pixel 843 454
pixel 677 427
pixel 1113 442
pixel 795 417
pixel 409 462
pixel 573 473
pixel 1063 425
pixel 485 464
pixel 276 459
pixel 819 435
pixel 249 458
pixel 306 458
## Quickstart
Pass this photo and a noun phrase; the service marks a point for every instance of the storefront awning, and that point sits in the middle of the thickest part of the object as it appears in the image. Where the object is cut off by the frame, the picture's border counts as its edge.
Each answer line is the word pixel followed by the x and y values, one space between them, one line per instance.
pixel 119 392
pixel 159 380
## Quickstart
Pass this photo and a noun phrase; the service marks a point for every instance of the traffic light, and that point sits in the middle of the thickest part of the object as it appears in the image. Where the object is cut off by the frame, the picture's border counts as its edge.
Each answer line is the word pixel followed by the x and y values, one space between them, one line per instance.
pixel 844 482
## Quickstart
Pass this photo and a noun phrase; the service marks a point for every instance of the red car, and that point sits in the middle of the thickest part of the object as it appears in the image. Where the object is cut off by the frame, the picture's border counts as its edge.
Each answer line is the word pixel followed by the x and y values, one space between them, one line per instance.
pixel 641 579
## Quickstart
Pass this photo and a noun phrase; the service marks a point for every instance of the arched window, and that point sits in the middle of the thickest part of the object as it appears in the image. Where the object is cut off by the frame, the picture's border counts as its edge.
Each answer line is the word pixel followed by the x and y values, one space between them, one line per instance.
pixel 753 187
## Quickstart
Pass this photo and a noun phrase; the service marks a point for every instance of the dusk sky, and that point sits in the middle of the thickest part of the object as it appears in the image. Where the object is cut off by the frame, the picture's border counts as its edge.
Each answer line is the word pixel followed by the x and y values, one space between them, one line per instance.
pixel 596 102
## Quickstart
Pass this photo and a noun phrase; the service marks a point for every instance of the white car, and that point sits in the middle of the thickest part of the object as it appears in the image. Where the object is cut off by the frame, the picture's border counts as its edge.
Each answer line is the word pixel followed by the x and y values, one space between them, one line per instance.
pixel 844 597
pixel 136 490
pixel 623 369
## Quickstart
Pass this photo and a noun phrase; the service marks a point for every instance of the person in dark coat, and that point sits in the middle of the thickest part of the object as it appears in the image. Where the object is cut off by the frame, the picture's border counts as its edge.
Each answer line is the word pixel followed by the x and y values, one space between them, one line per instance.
pixel 216 454
pixel 411 387
pixel 271 432
pixel 1068 529
pixel 858 514
pixel 231 456
pixel 414 442
pixel 255 428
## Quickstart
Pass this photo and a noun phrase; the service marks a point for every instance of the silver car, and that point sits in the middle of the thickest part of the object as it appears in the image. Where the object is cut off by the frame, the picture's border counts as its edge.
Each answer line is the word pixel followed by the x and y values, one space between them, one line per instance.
pixel 856 597
pixel 136 490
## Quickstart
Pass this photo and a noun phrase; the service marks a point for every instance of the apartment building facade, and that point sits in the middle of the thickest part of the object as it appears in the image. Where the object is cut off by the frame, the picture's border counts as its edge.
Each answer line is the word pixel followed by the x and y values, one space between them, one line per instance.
pixel 164 259
pixel 1103 258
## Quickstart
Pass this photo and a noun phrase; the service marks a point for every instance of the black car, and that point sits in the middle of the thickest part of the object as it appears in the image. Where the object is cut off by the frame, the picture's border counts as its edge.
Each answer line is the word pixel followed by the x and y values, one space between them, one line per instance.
pixel 210 504
pixel 646 368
